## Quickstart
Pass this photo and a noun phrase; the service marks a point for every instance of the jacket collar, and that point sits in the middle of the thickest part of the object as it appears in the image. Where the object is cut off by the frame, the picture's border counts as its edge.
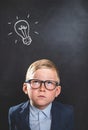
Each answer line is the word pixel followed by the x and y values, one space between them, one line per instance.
pixel 56 117
pixel 24 114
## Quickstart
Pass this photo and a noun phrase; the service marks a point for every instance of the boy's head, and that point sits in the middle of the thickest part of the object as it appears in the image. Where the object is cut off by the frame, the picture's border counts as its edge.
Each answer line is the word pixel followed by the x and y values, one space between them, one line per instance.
pixel 39 64
pixel 42 83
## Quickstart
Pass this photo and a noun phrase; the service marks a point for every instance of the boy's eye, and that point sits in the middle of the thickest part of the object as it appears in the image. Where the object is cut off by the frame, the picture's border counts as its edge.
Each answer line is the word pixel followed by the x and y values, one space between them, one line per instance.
pixel 36 82
pixel 49 83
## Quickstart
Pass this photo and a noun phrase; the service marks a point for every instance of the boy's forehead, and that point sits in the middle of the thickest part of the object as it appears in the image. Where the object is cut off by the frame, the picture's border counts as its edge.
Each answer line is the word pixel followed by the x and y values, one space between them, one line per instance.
pixel 31 72
pixel 34 69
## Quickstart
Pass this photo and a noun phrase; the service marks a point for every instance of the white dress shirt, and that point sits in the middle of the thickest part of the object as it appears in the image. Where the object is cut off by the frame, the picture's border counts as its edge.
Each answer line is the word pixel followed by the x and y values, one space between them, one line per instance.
pixel 40 119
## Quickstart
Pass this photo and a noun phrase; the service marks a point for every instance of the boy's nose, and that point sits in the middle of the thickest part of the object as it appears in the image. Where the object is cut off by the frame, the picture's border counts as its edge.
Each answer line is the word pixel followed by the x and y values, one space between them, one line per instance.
pixel 42 87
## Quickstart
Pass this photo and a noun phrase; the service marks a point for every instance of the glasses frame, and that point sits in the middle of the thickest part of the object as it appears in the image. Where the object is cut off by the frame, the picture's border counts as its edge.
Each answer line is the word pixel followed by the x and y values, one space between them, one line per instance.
pixel 56 83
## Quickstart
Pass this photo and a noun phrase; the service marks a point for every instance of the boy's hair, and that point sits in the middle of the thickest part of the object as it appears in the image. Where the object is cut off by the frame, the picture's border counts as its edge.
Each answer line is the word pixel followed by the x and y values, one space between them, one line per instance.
pixel 43 63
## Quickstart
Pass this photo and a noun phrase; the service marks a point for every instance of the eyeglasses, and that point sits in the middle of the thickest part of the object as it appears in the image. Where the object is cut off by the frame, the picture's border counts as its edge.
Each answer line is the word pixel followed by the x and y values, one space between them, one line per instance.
pixel 36 83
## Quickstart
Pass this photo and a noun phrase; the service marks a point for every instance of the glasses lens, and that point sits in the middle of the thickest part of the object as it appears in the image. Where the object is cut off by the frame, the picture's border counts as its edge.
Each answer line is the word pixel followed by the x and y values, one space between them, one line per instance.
pixel 35 83
pixel 50 85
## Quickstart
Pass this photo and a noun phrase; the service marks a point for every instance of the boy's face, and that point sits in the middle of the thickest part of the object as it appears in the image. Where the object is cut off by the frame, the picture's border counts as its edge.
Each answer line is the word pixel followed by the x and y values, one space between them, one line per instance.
pixel 41 97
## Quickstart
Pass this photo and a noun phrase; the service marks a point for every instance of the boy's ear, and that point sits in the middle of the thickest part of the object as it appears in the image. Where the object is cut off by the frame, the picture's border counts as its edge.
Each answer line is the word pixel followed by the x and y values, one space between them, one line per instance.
pixel 25 88
pixel 58 91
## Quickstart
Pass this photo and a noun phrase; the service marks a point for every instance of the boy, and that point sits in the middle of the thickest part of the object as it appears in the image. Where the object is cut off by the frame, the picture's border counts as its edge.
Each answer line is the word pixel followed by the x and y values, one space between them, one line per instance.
pixel 41 111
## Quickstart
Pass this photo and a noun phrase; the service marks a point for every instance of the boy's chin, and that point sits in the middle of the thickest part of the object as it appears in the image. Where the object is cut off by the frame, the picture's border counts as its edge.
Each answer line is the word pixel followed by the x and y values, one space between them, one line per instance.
pixel 41 105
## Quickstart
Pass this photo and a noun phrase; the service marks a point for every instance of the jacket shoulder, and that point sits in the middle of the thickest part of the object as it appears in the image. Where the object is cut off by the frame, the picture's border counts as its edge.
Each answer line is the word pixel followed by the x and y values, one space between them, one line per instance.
pixel 65 108
pixel 18 107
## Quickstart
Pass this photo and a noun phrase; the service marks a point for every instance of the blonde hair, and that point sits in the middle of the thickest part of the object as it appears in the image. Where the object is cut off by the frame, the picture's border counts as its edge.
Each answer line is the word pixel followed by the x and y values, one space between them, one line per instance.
pixel 43 63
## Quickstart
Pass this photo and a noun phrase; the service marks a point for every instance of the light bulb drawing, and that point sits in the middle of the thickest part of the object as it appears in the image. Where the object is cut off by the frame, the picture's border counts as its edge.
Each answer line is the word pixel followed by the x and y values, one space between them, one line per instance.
pixel 22 29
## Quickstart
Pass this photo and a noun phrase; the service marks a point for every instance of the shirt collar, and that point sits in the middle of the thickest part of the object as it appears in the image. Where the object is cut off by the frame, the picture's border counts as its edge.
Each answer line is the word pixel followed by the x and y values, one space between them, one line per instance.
pixel 46 111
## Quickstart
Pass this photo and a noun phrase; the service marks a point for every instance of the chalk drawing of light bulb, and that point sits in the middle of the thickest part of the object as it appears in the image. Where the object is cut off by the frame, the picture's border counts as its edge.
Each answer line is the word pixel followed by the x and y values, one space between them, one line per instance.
pixel 22 29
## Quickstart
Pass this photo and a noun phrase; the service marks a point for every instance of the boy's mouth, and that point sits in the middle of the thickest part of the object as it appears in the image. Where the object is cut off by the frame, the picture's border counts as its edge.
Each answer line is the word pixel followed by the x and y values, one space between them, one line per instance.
pixel 41 96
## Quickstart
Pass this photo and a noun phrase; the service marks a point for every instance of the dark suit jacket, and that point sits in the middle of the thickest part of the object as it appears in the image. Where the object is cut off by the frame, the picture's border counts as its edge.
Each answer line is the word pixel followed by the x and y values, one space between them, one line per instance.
pixel 62 117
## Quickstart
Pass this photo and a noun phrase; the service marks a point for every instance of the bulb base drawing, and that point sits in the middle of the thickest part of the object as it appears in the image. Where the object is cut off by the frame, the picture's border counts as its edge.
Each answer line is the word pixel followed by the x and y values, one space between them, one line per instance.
pixel 27 40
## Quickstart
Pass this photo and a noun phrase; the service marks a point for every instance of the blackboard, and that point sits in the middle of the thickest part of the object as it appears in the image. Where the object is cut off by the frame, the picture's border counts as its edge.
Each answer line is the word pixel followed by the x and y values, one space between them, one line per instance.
pixel 58 30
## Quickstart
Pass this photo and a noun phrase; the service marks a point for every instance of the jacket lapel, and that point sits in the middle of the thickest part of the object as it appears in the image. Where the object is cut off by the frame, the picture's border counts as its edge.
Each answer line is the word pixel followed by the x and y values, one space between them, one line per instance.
pixel 56 117
pixel 24 116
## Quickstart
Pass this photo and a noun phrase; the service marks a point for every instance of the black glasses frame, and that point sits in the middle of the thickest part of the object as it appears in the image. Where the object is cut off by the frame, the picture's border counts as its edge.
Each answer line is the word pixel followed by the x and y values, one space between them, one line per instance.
pixel 55 83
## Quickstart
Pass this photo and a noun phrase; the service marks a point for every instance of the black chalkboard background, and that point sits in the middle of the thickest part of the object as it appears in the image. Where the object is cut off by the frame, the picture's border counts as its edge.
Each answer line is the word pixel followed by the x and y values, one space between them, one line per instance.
pixel 59 31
